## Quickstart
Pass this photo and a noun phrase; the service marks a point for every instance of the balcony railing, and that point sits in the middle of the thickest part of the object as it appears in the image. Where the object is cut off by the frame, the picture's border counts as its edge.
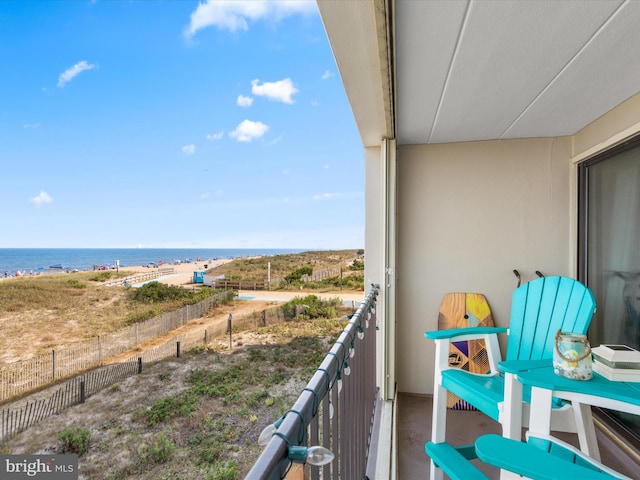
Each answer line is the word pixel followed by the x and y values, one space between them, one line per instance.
pixel 335 410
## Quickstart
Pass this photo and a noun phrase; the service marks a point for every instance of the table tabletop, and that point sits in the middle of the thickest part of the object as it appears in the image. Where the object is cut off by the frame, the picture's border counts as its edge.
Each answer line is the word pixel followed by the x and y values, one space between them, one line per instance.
pixel 599 390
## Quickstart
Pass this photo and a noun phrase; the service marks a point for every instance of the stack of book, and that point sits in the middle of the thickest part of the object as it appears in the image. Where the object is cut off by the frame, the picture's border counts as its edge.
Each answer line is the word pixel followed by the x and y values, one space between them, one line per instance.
pixel 617 362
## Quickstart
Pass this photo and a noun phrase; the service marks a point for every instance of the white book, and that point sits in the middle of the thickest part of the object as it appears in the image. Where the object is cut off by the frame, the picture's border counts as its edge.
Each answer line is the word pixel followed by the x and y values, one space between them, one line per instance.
pixel 617 356
pixel 616 374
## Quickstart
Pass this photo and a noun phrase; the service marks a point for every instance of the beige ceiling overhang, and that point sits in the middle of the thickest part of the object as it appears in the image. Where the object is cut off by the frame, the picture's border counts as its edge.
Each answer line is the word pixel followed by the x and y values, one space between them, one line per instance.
pixel 454 70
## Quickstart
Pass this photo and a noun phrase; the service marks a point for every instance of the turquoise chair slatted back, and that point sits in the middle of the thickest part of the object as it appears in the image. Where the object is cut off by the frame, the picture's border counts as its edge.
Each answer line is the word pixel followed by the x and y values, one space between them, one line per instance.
pixel 542 307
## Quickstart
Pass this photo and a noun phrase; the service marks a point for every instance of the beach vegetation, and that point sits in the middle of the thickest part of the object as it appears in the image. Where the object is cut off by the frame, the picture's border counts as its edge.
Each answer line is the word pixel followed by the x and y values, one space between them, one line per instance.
pixel 298 273
pixel 280 266
pixel 75 440
pixel 156 292
pixel 76 283
pixel 142 315
pixel 197 416
pixel 42 312
pixel 159 450
pixel 357 266
pixel 311 307
pixel 105 275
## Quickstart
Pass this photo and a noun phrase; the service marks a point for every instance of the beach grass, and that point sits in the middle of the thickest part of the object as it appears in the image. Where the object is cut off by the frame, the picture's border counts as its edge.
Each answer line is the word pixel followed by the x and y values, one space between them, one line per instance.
pixel 45 311
pixel 195 417
pixel 280 266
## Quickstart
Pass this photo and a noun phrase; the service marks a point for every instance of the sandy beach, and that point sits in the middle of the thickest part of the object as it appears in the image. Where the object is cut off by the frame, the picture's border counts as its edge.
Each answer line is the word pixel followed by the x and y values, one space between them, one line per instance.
pixel 183 271
pixel 183 267
pixel 184 275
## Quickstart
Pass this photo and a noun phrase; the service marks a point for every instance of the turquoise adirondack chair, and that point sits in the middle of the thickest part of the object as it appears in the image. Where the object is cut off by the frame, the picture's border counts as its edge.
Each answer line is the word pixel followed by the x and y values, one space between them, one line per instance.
pixel 538 310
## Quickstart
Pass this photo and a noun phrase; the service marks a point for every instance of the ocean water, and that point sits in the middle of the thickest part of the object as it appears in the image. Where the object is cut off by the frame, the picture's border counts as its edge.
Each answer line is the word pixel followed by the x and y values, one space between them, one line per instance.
pixel 41 259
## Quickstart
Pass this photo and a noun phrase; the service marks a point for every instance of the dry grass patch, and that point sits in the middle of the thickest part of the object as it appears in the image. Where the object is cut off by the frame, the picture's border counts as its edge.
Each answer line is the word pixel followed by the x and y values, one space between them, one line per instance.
pixel 40 313
pixel 256 269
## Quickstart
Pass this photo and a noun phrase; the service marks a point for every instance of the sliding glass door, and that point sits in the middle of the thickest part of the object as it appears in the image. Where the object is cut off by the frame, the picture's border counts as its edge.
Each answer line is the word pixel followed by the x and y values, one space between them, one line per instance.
pixel 610 250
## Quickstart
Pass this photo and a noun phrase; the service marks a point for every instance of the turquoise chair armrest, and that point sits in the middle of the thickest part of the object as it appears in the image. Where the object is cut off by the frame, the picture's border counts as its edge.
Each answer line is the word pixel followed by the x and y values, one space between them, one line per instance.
pixel 457 332
pixel 531 461
pixel 517 366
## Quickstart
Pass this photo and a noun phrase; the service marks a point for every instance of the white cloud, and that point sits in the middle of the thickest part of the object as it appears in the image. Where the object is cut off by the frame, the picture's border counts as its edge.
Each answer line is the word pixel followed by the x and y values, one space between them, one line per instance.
pixel 31 125
pixel 248 130
pixel 235 15
pixel 206 195
pixel 327 196
pixel 215 136
pixel 189 149
pixel 282 90
pixel 70 73
pixel 42 197
pixel 244 101
pixel 278 139
pixel 327 74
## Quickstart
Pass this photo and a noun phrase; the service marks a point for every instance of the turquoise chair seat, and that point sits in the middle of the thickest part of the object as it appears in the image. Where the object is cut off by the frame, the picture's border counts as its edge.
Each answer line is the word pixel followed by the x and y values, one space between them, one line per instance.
pixel 538 459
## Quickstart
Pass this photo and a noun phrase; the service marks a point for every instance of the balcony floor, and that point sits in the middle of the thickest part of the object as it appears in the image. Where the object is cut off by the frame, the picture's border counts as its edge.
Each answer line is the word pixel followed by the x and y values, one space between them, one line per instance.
pixel 414 430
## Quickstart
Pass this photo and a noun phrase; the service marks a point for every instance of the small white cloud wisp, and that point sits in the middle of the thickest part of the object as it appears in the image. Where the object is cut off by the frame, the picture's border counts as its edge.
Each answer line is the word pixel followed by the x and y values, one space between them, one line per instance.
pixel 282 90
pixel 189 149
pixel 42 198
pixel 215 136
pixel 249 130
pixel 234 15
pixel 243 101
pixel 72 72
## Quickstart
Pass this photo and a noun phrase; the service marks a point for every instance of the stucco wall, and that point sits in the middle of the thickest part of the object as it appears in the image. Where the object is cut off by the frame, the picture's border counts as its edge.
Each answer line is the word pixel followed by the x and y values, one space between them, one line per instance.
pixel 612 128
pixel 470 213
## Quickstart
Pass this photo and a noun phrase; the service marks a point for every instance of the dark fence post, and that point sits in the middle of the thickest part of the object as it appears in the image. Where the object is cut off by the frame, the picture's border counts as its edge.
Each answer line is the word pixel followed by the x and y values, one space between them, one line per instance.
pixel 82 397
pixel 230 330
pixel 139 364
pixel 53 364
pixel 178 349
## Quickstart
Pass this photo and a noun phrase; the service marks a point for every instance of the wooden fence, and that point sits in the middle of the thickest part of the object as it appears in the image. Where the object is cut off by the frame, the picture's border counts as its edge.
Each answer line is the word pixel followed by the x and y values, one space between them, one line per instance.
pixel 321 274
pixel 21 415
pixel 26 375
pixel 240 284
pixel 14 419
pixel 140 277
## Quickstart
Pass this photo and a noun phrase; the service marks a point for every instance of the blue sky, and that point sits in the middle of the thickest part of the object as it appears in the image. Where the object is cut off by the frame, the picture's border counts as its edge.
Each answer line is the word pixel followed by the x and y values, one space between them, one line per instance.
pixel 175 124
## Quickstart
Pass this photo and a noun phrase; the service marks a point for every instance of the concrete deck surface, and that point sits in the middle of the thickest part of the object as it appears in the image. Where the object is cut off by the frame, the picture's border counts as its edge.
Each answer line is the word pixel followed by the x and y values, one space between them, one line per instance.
pixel 414 430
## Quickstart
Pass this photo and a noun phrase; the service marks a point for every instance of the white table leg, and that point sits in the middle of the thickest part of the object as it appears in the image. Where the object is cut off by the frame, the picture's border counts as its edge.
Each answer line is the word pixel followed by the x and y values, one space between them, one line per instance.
pixel 540 411
pixel 512 408
pixel 586 430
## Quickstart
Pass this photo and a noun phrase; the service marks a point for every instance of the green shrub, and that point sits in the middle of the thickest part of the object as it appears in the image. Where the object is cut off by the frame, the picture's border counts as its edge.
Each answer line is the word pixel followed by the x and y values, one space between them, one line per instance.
pixel 102 276
pixel 178 405
pixel 223 471
pixel 312 307
pixel 357 265
pixel 156 292
pixel 141 316
pixel 75 283
pixel 75 440
pixel 160 451
pixel 298 273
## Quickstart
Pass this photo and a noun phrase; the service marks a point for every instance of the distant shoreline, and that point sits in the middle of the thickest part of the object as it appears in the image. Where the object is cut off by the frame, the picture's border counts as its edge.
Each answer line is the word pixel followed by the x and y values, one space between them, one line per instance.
pixel 36 260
